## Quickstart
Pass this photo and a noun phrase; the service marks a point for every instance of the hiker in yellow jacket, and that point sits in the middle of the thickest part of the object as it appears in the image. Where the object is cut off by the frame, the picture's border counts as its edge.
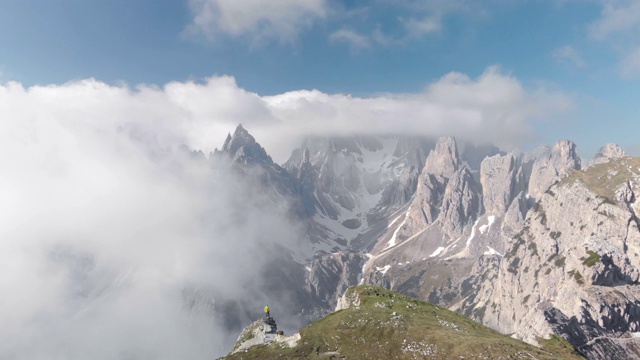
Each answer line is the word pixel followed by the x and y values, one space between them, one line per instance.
pixel 266 311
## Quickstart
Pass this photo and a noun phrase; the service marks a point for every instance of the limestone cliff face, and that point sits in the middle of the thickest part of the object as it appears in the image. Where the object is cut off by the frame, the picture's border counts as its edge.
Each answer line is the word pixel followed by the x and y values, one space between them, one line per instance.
pixel 443 161
pixel 461 203
pixel 441 164
pixel 513 220
pixel 331 274
pixel 551 166
pixel 574 267
pixel 502 179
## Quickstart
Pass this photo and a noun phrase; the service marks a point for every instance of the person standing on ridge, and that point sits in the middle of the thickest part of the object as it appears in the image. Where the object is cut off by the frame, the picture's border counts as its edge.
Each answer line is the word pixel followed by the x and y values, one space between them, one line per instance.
pixel 266 311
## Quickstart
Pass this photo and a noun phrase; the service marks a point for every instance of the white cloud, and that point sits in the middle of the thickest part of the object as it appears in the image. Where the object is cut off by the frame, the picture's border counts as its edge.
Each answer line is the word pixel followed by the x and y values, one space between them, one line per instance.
pixel 354 40
pixel 418 19
pixel 617 17
pixel 630 66
pixel 419 27
pixel 259 20
pixel 493 108
pixel 619 24
pixel 105 223
pixel 569 56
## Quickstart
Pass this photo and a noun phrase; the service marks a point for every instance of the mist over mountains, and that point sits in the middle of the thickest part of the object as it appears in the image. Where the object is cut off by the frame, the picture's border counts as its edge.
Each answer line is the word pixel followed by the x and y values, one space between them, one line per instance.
pixel 121 246
pixel 463 157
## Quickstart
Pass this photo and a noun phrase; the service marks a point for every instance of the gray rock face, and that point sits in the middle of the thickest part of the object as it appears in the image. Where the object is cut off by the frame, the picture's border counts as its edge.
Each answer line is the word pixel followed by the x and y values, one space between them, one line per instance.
pixel 551 166
pixel 349 299
pixel 330 275
pixel 514 218
pixel 606 153
pixel 261 332
pixel 443 161
pixel 502 179
pixel 461 204
pixel 425 208
pixel 574 267
pixel 441 164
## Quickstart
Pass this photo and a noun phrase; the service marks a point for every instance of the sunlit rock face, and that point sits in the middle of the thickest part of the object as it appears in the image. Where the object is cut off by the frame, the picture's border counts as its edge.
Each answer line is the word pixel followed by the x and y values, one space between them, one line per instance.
pixel 574 266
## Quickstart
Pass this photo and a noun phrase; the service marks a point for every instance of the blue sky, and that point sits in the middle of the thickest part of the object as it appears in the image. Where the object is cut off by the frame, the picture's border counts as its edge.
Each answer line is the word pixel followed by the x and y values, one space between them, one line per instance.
pixel 583 51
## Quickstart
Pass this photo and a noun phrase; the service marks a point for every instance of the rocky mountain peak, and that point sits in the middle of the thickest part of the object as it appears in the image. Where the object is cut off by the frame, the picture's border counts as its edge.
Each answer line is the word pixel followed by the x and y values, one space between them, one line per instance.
pixel 564 153
pixel 443 161
pixel 502 179
pixel 261 332
pixel 606 153
pixel 552 165
pixel 243 148
pixel 461 204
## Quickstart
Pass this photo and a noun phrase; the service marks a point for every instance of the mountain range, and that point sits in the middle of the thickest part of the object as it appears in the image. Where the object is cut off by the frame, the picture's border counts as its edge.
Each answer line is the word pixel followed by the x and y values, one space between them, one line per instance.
pixel 530 244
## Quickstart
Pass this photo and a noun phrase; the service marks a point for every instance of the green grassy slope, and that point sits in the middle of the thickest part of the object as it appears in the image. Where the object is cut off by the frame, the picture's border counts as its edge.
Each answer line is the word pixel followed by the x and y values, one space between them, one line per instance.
pixel 388 325
pixel 605 179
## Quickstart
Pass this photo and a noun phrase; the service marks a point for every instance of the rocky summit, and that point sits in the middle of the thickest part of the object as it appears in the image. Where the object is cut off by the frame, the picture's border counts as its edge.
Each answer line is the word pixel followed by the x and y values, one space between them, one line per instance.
pixel 530 244
pixel 375 323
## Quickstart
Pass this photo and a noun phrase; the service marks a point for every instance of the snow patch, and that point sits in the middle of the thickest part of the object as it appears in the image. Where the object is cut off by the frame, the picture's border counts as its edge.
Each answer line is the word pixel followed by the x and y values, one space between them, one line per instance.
pixel 473 233
pixel 392 241
pixel 394 220
pixel 383 269
pixel 437 252
pixel 492 251
pixel 635 335
pixel 484 228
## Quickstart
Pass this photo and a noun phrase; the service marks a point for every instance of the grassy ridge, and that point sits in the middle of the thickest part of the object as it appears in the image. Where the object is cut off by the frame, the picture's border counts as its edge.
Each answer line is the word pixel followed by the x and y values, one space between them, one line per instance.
pixel 605 179
pixel 388 325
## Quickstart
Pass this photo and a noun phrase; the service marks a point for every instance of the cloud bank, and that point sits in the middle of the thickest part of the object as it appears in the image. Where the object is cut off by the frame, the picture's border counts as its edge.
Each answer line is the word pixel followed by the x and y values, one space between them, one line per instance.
pixel 258 20
pixel 494 107
pixel 115 244
pixel 108 229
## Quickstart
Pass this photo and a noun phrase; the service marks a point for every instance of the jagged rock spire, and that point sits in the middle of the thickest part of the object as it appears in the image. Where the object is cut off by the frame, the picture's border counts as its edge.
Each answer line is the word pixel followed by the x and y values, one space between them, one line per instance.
pixel 444 159
pixel 502 179
pixel 553 165
pixel 243 148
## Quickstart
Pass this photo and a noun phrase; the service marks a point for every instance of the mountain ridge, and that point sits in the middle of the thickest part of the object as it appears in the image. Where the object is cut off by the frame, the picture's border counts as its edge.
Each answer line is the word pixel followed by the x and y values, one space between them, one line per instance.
pixel 444 223
pixel 375 323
